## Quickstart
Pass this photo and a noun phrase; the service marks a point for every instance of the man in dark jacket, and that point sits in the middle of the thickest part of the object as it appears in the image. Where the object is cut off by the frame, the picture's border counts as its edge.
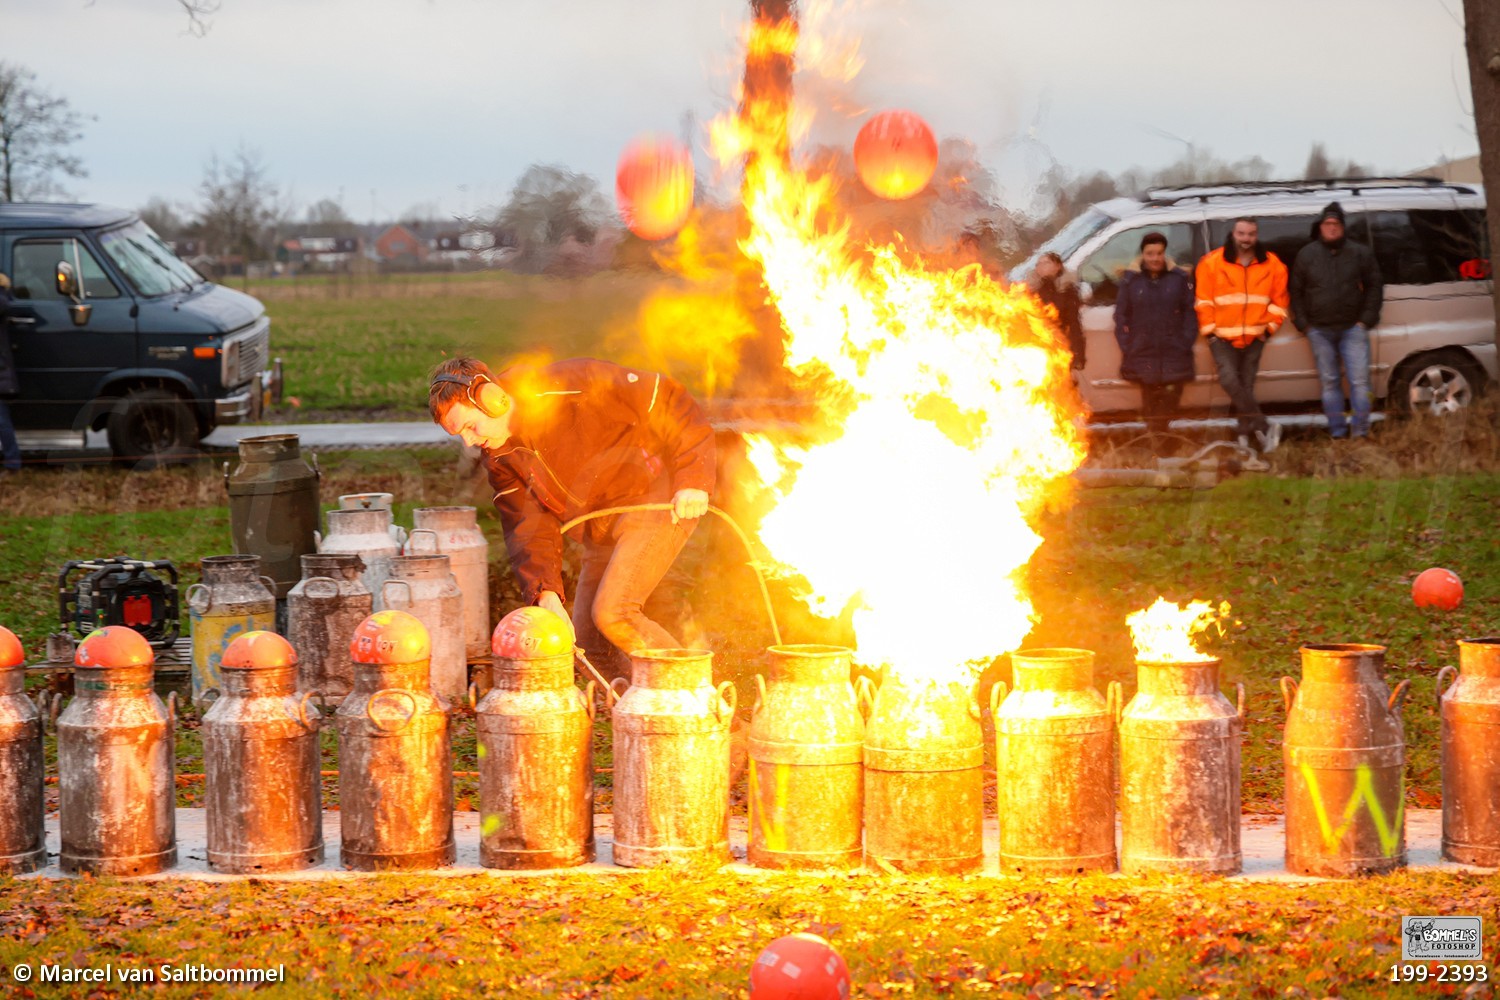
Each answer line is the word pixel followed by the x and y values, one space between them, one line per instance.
pixel 10 450
pixel 573 438
pixel 1336 295
pixel 1058 289
pixel 1156 328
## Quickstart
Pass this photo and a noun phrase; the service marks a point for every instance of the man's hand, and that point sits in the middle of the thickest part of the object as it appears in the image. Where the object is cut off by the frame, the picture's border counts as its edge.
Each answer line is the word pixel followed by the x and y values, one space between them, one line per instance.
pixel 549 601
pixel 689 505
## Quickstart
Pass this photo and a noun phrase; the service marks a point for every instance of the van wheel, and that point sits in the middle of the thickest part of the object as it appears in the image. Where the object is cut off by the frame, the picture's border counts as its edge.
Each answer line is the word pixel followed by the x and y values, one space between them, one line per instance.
pixel 152 427
pixel 1437 383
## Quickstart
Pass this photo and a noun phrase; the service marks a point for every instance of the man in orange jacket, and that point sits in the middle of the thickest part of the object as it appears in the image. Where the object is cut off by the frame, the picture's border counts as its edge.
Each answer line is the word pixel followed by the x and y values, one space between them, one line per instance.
pixel 1242 300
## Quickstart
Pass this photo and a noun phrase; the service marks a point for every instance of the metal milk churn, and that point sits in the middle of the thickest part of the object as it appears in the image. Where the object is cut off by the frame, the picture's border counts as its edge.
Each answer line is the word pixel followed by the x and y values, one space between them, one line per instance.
pixel 422 583
pixel 260 755
pixel 924 783
pixel 1054 762
pixel 395 764
pixel 232 599
pixel 1345 756
pixel 671 746
pixel 323 611
pixel 806 754
pixel 1180 771
pixel 23 842
pixel 115 761
pixel 1470 710
pixel 536 763
pixel 273 505
pixel 459 538
pixel 371 501
pixel 367 534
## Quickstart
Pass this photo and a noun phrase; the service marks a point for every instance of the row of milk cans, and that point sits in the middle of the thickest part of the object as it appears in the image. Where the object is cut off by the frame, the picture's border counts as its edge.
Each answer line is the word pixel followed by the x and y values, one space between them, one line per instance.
pixel 438 571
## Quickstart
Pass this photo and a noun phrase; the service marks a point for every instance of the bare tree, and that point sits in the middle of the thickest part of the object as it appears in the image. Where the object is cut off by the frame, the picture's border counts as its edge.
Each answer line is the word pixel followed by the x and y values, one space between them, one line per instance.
pixel 163 216
pixel 548 205
pixel 1482 40
pixel 36 129
pixel 198 13
pixel 1320 166
pixel 329 216
pixel 240 204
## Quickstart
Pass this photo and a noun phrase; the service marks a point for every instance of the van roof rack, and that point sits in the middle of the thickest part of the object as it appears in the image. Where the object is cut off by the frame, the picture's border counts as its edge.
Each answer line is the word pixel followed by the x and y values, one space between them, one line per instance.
pixel 1240 189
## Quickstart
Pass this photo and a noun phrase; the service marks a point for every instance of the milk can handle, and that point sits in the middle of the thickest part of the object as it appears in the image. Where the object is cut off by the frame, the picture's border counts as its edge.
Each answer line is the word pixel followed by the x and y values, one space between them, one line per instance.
pixel 997 695
pixel 1398 697
pixel 270 584
pixel 194 589
pixel 317 471
pixel 617 690
pixel 589 690
pixel 226 475
pixel 307 588
pixel 411 538
pixel 864 696
pixel 172 708
pixel 1239 691
pixel 387 598
pixel 410 713
pixel 1114 700
pixel 302 715
pixel 473 696
pixel 760 695
pixel 56 708
pixel 317 540
pixel 976 711
pixel 1288 691
pixel 728 700
pixel 1442 689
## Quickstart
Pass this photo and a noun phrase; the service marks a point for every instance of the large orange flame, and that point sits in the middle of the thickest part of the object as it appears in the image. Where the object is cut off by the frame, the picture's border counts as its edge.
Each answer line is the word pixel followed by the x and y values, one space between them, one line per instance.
pixel 1169 633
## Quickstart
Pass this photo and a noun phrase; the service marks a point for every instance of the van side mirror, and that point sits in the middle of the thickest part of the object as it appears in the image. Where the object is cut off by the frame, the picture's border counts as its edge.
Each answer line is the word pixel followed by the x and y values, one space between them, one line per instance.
pixel 67 284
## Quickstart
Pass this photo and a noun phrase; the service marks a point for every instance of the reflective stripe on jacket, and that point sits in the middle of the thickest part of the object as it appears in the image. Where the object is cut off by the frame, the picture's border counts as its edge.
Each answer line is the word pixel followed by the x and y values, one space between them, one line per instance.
pixel 1240 303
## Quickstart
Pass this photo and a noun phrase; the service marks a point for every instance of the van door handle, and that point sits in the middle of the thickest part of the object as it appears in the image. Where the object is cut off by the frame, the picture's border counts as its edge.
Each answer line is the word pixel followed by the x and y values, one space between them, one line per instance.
pixel 23 320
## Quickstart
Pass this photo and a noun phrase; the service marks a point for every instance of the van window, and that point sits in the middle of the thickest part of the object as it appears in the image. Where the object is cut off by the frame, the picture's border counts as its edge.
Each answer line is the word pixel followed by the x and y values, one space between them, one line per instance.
pixel 1283 235
pixel 149 263
pixel 34 267
pixel 1422 246
pixel 1104 266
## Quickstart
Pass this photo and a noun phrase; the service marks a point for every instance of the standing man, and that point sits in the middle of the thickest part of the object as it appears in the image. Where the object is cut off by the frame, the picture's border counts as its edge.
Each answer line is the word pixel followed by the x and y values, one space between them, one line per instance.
pixel 1242 300
pixel 573 438
pixel 1156 328
pixel 10 450
pixel 1336 297
pixel 1058 289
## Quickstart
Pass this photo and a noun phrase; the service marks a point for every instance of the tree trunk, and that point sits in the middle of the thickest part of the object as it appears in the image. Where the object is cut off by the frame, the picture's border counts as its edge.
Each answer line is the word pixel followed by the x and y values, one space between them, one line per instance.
pixel 1482 39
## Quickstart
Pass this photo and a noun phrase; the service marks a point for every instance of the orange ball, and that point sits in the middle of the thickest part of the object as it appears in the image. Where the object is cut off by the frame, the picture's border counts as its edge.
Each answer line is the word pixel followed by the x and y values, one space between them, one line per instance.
pixel 258 650
pixel 531 634
pixel 799 967
pixel 1437 588
pixel 654 186
pixel 114 646
pixel 12 653
pixel 895 154
pixel 390 637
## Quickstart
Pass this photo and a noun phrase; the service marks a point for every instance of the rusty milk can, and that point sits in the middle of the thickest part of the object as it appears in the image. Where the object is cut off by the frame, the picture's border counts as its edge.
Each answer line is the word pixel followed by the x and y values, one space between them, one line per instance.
pixel 273 505
pixel 370 501
pixel 323 611
pixel 23 820
pixel 806 755
pixel 364 532
pixel 671 746
pixel 459 538
pixel 422 584
pixel 1054 763
pixel 924 779
pixel 536 762
pixel 232 599
pixel 1470 710
pixel 260 754
pixel 1180 771
pixel 395 764
pixel 1344 752
pixel 115 761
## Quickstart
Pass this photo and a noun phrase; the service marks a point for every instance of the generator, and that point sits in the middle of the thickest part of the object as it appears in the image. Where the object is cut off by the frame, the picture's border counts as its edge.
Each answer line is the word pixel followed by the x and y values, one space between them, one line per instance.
pixel 94 593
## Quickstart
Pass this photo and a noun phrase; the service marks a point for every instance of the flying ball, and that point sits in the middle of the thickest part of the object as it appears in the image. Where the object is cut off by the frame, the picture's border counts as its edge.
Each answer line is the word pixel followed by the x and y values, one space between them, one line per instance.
pixel 654 186
pixel 799 967
pixel 895 154
pixel 1437 588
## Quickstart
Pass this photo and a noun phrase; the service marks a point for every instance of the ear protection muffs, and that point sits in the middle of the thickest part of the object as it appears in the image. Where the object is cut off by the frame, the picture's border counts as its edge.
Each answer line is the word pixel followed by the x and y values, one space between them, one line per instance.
pixel 481 391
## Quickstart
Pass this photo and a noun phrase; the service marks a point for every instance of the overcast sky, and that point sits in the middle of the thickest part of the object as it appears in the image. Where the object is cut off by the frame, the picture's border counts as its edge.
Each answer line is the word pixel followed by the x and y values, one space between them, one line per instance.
pixel 390 104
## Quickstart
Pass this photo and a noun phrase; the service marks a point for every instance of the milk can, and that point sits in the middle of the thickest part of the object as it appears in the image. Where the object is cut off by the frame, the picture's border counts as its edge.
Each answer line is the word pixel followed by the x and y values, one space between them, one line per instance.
pixel 273 505
pixel 536 770
pixel 260 756
pixel 232 600
pixel 924 783
pixel 459 538
pixel 395 765
pixel 365 533
pixel 115 761
pixel 1345 756
pixel 23 842
pixel 422 584
pixel 1180 771
pixel 806 752
pixel 370 501
pixel 1054 763
pixel 323 611
pixel 671 747
pixel 1470 710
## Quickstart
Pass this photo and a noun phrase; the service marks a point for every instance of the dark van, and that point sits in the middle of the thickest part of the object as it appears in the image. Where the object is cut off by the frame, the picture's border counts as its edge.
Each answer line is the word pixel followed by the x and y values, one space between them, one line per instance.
pixel 112 331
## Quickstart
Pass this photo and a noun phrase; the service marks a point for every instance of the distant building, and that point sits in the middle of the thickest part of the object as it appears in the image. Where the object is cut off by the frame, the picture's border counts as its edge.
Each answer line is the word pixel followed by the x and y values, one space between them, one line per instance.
pixel 332 252
pixel 398 242
pixel 1460 171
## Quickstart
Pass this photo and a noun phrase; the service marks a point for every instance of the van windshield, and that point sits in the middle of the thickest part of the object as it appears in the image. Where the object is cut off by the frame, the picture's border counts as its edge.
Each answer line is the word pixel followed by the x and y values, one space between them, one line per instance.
pixel 1067 240
pixel 151 267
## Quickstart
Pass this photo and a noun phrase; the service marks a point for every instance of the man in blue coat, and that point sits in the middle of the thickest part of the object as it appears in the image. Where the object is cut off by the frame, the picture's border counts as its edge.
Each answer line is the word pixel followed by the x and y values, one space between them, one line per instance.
pixel 1156 328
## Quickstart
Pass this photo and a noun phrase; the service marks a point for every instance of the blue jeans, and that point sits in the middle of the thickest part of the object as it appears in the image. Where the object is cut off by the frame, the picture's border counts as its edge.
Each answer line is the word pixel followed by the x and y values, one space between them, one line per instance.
pixel 1238 367
pixel 1351 345
pixel 10 451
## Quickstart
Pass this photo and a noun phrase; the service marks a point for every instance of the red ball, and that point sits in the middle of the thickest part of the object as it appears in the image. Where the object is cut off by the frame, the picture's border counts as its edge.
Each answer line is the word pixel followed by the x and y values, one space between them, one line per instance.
pixel 799 967
pixel 895 154
pixel 12 653
pixel 114 646
pixel 390 637
pixel 531 634
pixel 257 651
pixel 1437 588
pixel 654 186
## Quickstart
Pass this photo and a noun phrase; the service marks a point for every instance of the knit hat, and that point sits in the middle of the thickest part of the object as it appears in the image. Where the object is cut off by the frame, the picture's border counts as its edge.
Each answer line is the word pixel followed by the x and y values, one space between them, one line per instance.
pixel 1332 210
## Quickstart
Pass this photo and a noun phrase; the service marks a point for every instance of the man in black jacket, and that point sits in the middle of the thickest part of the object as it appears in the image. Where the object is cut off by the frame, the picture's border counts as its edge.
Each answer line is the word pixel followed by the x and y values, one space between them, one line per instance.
pixel 1336 294
pixel 10 450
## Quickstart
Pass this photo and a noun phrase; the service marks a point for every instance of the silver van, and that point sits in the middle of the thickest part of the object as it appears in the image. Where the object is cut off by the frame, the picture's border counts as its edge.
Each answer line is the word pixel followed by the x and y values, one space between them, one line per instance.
pixel 1434 347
